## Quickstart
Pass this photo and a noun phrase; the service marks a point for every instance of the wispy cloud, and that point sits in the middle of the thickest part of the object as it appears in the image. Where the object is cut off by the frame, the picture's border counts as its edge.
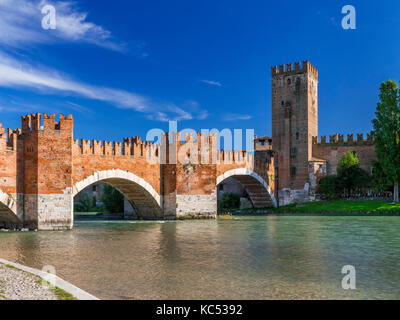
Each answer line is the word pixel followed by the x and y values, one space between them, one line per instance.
pixel 236 117
pixel 20 28
pixel 20 24
pixel 17 74
pixel 77 107
pixel 212 83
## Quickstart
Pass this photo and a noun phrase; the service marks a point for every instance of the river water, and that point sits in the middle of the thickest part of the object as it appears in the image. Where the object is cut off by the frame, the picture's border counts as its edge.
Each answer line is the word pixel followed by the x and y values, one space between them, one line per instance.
pixel 269 257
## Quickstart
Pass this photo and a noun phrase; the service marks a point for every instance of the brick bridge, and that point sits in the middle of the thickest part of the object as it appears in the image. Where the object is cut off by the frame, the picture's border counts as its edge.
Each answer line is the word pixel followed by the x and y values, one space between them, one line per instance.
pixel 42 168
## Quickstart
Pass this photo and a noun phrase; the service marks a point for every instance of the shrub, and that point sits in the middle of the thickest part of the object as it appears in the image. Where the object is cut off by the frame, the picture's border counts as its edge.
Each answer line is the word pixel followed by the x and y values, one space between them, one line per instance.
pixel 330 187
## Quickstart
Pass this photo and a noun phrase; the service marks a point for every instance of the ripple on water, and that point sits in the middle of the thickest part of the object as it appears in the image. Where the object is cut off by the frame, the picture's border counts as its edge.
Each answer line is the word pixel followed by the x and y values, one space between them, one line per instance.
pixel 272 257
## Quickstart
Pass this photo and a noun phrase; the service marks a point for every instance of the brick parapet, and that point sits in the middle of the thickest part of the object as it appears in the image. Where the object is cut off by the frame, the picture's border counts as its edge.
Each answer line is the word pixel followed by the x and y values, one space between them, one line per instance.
pixel 288 69
pixel 338 140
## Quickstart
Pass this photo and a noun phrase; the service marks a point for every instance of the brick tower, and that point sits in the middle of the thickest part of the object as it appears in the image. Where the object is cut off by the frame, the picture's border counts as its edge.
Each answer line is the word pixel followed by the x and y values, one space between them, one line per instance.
pixel 47 171
pixel 294 123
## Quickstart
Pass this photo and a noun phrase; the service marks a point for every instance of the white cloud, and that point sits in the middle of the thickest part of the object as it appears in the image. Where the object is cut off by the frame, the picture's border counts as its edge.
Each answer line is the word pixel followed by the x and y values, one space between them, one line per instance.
pixel 236 117
pixel 17 74
pixel 21 27
pixel 21 24
pixel 212 83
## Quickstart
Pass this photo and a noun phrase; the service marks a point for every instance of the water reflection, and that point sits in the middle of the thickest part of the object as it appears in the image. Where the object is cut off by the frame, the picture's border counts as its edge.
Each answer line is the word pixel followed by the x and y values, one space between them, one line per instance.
pixel 272 257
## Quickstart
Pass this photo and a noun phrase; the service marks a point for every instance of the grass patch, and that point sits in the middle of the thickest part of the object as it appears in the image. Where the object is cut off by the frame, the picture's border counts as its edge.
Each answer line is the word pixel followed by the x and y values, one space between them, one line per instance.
pixel 60 293
pixel 342 206
pixel 94 214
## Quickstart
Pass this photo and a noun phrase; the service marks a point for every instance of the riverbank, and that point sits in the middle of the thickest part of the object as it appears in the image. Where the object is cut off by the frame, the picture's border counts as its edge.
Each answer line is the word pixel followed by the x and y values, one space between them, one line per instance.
pixel 19 282
pixel 343 207
pixel 334 208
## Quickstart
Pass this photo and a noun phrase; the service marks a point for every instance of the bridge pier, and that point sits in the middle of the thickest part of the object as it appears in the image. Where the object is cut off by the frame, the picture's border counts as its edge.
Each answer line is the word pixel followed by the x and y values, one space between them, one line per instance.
pixel 49 211
pixel 194 206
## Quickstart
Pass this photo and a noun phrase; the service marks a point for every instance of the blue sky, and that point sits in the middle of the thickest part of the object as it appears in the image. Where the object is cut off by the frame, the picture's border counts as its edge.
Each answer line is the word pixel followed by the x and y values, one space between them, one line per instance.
pixel 125 67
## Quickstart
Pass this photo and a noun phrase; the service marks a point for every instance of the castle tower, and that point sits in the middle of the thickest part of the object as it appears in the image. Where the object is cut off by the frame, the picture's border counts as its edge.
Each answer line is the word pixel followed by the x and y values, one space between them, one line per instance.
pixel 47 171
pixel 294 123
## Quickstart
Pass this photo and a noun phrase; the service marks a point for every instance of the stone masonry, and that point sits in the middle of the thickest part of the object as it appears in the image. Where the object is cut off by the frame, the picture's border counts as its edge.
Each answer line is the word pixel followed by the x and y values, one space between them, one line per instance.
pixel 42 168
pixel 300 159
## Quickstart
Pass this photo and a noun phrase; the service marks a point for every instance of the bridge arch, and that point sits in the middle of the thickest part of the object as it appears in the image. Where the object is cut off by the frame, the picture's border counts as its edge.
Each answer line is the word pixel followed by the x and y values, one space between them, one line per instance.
pixel 258 189
pixel 8 214
pixel 143 197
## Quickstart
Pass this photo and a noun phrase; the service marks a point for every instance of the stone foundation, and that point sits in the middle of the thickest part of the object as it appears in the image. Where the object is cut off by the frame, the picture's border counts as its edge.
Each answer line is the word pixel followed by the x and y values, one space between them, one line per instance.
pixel 49 211
pixel 288 196
pixel 196 206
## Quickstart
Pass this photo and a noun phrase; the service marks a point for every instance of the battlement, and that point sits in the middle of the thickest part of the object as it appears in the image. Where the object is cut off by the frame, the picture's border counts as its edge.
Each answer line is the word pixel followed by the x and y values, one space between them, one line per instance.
pixel 338 139
pixel 38 122
pixel 8 141
pixel 132 147
pixel 189 147
pixel 288 69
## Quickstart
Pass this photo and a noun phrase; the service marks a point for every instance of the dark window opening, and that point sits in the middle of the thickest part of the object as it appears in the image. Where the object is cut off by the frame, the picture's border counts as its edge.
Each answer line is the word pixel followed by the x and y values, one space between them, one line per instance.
pixel 289 82
pixel 221 187
pixel 297 136
pixel 292 171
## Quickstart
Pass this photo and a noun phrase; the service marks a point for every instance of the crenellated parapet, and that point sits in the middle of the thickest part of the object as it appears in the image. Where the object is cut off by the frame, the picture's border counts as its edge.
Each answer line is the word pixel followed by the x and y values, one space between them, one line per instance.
pixel 130 147
pixel 9 140
pixel 339 139
pixel 45 123
pixel 288 69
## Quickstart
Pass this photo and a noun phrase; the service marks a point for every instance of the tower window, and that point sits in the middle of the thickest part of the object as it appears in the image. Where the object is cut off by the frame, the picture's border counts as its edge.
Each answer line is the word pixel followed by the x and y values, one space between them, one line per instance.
pixel 297 136
pixel 292 171
pixel 283 103
pixel 289 81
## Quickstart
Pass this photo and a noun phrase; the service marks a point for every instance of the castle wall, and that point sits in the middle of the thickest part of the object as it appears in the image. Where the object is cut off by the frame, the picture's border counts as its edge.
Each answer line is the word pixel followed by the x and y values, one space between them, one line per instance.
pixel 333 150
pixel 11 187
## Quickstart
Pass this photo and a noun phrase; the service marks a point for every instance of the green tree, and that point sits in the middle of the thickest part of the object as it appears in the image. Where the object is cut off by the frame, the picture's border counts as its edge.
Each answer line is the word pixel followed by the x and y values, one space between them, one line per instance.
pixel 84 204
pixel 386 133
pixel 380 181
pixel 350 176
pixel 113 199
pixel 230 201
pixel 348 160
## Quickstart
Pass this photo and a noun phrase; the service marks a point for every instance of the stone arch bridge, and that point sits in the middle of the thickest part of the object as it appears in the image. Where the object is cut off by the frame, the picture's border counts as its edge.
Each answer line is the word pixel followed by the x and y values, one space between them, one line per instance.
pixel 42 168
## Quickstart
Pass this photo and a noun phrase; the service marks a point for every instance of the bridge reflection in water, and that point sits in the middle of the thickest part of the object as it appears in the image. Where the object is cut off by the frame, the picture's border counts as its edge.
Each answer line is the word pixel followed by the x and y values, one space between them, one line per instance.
pixel 282 257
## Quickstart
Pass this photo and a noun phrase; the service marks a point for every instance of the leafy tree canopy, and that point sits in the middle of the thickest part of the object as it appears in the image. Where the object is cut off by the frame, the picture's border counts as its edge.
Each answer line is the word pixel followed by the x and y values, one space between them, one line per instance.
pixel 386 133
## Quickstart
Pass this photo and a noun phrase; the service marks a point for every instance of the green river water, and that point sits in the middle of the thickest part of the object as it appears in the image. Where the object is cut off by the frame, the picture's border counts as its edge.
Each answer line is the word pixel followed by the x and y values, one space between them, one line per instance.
pixel 268 257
